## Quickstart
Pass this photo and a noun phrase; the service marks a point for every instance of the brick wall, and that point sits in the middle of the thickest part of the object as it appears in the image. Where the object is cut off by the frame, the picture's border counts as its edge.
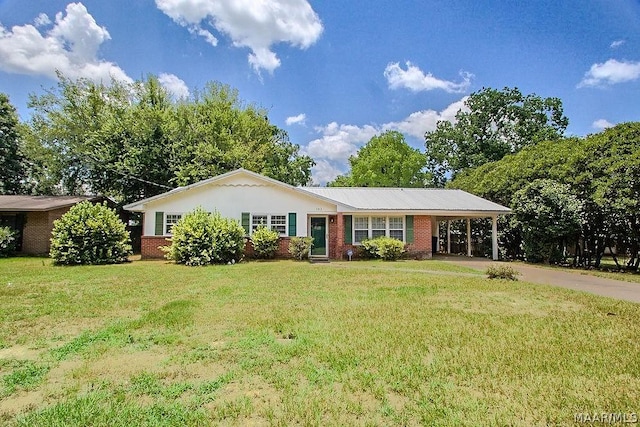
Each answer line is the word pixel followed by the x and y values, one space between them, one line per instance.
pixel 149 246
pixel 421 246
pixel 282 252
pixel 36 235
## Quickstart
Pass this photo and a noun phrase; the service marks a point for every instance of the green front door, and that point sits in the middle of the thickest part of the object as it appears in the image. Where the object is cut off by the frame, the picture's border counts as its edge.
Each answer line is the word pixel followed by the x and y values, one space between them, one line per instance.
pixel 319 234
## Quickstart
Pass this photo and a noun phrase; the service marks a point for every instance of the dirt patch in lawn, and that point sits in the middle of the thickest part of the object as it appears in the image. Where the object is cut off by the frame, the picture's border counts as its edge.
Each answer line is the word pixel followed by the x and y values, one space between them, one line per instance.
pixel 19 352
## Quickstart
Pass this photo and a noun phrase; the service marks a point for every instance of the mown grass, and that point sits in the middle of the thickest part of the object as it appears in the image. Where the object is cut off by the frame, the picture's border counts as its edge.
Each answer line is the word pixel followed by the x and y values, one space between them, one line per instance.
pixel 280 343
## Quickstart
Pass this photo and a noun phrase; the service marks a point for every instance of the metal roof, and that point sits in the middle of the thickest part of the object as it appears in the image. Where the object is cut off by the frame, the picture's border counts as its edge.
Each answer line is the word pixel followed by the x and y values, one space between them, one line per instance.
pixel 408 199
pixel 39 203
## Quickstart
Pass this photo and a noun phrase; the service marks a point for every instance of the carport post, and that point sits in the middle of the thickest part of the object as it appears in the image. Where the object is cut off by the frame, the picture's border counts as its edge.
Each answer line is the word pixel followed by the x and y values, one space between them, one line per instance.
pixel 494 237
pixel 469 237
pixel 448 236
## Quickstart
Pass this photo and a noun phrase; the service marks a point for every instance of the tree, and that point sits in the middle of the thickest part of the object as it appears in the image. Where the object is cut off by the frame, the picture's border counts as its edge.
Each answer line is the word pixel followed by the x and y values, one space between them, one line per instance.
pixel 493 124
pixel 385 161
pixel 11 161
pixel 549 216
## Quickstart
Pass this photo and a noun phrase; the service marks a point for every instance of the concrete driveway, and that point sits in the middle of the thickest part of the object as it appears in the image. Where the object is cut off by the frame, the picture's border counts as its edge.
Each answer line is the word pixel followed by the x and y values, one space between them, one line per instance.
pixel 570 279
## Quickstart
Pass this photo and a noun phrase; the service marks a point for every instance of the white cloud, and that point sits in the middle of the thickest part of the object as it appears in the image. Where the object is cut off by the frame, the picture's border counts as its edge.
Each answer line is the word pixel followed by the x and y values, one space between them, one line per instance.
pixel 611 72
pixel 299 119
pixel 71 47
pixel 616 43
pixel 324 171
pixel 174 85
pixel 414 79
pixel 338 142
pixel 42 20
pixel 601 124
pixel 255 24
pixel 416 124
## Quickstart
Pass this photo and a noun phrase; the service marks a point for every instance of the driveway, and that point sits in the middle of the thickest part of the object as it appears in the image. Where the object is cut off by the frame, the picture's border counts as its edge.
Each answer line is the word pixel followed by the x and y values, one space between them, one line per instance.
pixel 570 279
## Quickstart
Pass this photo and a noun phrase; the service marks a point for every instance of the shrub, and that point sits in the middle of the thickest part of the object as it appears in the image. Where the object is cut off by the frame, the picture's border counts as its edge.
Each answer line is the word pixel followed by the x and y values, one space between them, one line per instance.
pixel 386 248
pixel 202 238
pixel 502 272
pixel 300 247
pixel 7 241
pixel 89 234
pixel 265 242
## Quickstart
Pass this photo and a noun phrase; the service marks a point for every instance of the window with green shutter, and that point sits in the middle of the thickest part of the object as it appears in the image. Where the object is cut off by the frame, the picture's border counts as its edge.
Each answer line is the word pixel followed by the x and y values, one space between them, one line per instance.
pixel 348 229
pixel 159 224
pixel 409 222
pixel 292 224
pixel 246 224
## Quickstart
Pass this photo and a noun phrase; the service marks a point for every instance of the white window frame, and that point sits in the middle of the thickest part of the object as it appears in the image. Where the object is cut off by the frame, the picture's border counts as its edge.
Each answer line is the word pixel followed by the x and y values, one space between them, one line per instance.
pixel 166 223
pixel 387 231
pixel 269 224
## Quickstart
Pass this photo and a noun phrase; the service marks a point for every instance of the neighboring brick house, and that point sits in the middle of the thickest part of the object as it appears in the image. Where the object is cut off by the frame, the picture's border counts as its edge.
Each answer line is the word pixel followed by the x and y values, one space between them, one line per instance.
pixel 32 217
pixel 337 218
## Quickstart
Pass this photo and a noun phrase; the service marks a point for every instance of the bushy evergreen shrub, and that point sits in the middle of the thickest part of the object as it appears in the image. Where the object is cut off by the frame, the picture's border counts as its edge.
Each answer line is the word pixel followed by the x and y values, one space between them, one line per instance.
pixel 89 234
pixel 265 242
pixel 300 247
pixel 386 248
pixel 201 238
pixel 7 241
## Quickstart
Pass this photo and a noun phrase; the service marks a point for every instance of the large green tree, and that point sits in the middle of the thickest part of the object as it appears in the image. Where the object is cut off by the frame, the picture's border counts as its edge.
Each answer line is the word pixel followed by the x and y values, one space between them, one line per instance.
pixel 385 161
pixel 11 162
pixel 131 141
pixel 602 170
pixel 492 124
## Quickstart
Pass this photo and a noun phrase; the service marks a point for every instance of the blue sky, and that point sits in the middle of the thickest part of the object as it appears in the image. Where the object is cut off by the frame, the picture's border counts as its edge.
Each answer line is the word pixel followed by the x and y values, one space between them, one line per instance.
pixel 334 74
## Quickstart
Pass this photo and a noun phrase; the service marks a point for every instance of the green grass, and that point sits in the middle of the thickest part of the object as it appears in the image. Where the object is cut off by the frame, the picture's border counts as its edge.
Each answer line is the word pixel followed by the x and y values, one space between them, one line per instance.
pixel 280 343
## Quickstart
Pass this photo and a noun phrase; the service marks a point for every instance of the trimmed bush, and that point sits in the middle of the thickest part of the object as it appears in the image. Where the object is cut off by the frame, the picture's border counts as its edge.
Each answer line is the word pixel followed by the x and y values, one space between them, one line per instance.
pixel 89 234
pixel 502 272
pixel 300 247
pixel 202 238
pixel 265 242
pixel 7 241
pixel 386 248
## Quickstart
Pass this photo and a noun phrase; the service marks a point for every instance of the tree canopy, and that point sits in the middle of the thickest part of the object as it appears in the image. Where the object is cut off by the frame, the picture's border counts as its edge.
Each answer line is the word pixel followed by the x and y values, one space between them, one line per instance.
pixel 11 162
pixel 492 124
pixel 131 141
pixel 602 171
pixel 385 161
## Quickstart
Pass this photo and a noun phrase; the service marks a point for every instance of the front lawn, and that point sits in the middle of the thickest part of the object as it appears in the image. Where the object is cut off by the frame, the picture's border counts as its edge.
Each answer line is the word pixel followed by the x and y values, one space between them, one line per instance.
pixel 280 343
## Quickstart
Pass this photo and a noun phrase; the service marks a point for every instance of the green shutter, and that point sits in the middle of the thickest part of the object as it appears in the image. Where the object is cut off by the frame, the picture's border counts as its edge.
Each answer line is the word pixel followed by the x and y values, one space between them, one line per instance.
pixel 292 224
pixel 245 222
pixel 348 229
pixel 159 223
pixel 409 228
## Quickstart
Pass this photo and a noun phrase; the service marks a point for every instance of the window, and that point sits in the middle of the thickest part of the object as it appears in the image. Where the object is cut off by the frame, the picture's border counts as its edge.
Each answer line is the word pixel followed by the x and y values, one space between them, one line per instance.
pixel 169 221
pixel 279 223
pixel 274 222
pixel 360 229
pixel 377 226
pixel 396 227
pixel 257 221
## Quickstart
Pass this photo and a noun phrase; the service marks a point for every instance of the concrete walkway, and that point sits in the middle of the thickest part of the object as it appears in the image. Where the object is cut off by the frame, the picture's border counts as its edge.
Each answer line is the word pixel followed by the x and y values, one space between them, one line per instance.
pixel 570 279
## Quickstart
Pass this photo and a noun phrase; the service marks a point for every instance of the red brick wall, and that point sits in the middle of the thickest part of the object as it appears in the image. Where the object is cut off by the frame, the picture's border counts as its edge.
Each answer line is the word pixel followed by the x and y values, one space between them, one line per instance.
pixel 149 246
pixel 334 249
pixel 421 246
pixel 36 237
pixel 282 252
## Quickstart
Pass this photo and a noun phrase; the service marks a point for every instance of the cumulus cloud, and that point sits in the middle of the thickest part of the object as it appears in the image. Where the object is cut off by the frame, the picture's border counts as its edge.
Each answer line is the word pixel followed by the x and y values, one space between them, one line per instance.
pixel 337 142
pixel 414 79
pixel 42 20
pixel 611 72
pixel 616 43
pixel 71 46
pixel 601 124
pixel 253 24
pixel 174 85
pixel 299 119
